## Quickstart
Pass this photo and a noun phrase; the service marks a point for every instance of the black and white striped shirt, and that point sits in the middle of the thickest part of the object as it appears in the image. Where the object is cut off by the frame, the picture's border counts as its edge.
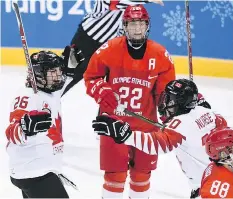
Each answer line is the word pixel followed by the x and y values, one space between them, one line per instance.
pixel 105 21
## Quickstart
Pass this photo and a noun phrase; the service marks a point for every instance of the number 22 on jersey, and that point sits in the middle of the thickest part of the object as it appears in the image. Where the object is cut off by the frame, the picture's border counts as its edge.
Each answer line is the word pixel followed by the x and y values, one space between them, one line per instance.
pixel 130 97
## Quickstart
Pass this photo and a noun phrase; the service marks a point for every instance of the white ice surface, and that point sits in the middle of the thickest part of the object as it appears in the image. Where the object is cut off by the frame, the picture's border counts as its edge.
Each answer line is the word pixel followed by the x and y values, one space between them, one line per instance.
pixel 81 159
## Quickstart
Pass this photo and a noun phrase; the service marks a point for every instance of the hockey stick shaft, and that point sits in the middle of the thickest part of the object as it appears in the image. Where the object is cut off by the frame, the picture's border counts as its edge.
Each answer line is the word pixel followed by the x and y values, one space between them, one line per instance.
pixel 157 124
pixel 25 47
pixel 189 42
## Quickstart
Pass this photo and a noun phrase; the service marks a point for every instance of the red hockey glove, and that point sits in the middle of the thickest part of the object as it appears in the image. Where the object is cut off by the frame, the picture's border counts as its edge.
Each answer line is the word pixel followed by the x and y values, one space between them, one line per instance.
pixel 103 95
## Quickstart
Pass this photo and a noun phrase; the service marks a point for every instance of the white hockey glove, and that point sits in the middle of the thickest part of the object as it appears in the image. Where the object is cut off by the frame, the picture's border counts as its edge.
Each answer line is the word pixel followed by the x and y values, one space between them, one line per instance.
pixel 72 57
pixel 114 128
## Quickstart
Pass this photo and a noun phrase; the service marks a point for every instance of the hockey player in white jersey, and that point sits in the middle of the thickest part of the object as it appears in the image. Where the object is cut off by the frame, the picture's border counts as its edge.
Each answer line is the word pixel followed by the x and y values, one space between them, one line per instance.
pixel 187 126
pixel 35 142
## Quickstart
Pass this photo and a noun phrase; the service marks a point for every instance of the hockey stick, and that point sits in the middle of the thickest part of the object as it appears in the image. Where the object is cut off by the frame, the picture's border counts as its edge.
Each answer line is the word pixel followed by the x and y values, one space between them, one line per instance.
pixel 25 47
pixel 141 117
pixel 189 44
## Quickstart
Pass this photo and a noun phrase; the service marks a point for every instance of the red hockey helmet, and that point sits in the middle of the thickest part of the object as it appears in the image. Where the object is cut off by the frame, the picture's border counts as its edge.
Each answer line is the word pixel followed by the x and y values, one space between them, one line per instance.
pixel 136 12
pixel 219 144
pixel 136 23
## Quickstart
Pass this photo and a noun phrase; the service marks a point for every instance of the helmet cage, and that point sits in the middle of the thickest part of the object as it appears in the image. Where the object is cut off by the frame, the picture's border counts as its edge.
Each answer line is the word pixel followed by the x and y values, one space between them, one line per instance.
pixel 167 106
pixel 133 14
pixel 134 41
pixel 44 62
pixel 41 75
pixel 173 104
pixel 225 156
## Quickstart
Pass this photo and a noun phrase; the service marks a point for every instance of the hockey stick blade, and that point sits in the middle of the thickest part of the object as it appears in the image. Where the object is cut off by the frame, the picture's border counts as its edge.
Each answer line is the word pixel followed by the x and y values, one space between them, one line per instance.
pixel 25 47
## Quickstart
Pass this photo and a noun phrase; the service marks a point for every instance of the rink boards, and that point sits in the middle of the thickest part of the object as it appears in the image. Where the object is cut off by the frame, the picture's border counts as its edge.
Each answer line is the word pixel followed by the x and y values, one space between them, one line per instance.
pixel 201 66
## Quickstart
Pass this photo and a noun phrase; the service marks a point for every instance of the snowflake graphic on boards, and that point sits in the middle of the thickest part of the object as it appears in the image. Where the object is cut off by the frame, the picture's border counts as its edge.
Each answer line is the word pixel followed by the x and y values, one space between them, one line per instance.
pixel 222 9
pixel 176 26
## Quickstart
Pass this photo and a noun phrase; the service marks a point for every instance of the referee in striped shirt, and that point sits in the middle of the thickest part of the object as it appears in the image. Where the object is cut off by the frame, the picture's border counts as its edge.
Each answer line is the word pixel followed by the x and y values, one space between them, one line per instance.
pixel 97 27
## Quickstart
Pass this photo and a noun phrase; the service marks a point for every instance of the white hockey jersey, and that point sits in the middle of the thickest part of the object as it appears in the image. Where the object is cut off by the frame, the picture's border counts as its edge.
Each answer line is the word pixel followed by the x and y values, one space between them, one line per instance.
pixel 42 153
pixel 194 126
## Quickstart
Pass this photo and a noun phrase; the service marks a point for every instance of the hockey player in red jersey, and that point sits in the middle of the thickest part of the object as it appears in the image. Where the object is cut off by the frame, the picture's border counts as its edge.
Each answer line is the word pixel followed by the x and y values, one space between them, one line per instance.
pixel 35 142
pixel 136 69
pixel 103 23
pixel 217 180
pixel 187 126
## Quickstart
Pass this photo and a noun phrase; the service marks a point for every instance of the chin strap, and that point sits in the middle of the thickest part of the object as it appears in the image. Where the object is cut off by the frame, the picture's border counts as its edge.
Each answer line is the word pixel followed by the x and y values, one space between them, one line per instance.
pixel 134 47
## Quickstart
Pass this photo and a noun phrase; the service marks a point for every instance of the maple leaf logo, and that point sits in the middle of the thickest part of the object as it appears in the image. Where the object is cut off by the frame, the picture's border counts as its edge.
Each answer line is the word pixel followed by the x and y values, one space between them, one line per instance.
pixel 55 131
